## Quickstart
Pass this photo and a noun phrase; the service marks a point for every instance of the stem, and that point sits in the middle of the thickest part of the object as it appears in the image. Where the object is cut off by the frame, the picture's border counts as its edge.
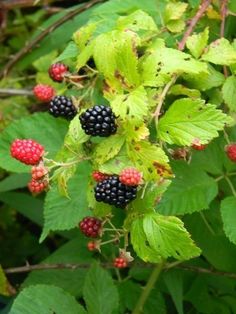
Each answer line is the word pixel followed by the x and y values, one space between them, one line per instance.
pixel 223 13
pixel 148 288
pixel 226 136
pixel 207 224
pixel 230 185
pixel 162 97
pixel 15 92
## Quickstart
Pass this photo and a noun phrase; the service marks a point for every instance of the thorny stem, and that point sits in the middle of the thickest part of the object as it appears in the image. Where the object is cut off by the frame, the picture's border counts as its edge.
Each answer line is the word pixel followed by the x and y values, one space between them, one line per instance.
pixel 148 288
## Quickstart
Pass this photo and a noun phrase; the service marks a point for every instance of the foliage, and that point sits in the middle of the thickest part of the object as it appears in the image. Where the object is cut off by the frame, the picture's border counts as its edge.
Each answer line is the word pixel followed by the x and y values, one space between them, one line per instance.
pixel 167 101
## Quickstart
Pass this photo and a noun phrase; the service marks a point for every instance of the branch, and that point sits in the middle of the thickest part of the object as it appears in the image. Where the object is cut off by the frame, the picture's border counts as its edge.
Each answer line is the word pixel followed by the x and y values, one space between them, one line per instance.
pixel 202 9
pixel 42 35
pixel 223 14
pixel 15 92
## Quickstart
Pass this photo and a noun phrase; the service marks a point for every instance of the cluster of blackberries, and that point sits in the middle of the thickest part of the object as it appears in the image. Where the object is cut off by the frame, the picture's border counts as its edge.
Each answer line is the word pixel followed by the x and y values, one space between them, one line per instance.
pixel 62 106
pixel 98 121
pixel 113 192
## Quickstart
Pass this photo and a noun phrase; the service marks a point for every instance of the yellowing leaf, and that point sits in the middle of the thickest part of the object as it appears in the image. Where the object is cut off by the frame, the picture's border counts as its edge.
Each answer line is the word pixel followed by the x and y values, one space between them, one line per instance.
pixel 197 42
pixel 174 10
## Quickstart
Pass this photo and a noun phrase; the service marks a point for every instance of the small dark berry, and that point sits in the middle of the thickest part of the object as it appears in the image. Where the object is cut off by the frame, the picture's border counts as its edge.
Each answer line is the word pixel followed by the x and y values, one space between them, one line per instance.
pixel 62 106
pixel 90 227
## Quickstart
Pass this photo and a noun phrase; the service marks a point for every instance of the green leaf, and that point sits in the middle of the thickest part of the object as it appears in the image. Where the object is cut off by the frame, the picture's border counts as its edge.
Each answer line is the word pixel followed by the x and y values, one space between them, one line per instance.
pixel 220 52
pixel 61 213
pixel 179 89
pixel 197 42
pixel 100 293
pixel 174 11
pixel 174 282
pixel 132 106
pixel 191 190
pixel 4 284
pixel 228 215
pixel 70 51
pixel 84 56
pixel 188 120
pixel 14 181
pixel 40 299
pixel 138 20
pixel 75 136
pixel 63 175
pixel 158 66
pixel 109 148
pixel 229 92
pixel 37 127
pixel 162 232
pixel 176 26
pixel 84 34
pixel 140 243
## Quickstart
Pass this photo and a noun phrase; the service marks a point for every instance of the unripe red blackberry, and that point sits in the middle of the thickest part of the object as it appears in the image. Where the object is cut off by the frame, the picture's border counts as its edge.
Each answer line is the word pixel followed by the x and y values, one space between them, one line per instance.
pixel 98 121
pixel 44 92
pixel 231 151
pixel 113 192
pixel 99 176
pixel 91 227
pixel 37 186
pixel 130 176
pixel 91 245
pixel 38 172
pixel 57 71
pixel 62 106
pixel 120 262
pixel 198 146
pixel 27 151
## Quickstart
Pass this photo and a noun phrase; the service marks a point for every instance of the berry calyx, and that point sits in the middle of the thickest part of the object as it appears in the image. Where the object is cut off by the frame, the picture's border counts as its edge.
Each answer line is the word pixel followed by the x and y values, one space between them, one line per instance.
pixel 38 172
pixel 44 92
pixel 57 71
pixel 113 192
pixel 37 186
pixel 62 106
pixel 98 121
pixel 130 176
pixel 198 146
pixel 120 262
pixel 99 176
pixel 27 151
pixel 91 245
pixel 231 151
pixel 91 227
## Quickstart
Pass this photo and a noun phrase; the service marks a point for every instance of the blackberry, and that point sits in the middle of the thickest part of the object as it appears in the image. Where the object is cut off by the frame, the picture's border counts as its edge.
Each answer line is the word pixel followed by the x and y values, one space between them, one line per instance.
pixel 113 192
pixel 91 227
pixel 98 121
pixel 62 106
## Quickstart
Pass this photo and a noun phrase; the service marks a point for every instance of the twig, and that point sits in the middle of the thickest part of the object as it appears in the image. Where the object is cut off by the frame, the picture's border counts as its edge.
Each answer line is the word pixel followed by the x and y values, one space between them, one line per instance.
pixel 223 14
pixel 15 92
pixel 48 30
pixel 231 185
pixel 202 9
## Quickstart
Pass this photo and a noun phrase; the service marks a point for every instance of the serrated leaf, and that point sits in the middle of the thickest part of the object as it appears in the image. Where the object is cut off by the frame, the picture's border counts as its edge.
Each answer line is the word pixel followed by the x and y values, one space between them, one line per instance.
pixel 75 135
pixel 132 106
pixel 151 160
pixel 188 120
pixel 100 293
pixel 117 164
pixel 135 130
pixel 40 299
pixel 174 11
pixel 158 67
pixel 140 245
pixel 83 36
pixel 162 232
pixel 229 92
pixel 71 51
pixel 197 42
pixel 37 127
pixel 138 20
pixel 176 26
pixel 228 214
pixel 61 213
pixel 220 52
pixel 84 56
pixel 63 175
pixel 179 89
pixel 191 190
pixel 109 148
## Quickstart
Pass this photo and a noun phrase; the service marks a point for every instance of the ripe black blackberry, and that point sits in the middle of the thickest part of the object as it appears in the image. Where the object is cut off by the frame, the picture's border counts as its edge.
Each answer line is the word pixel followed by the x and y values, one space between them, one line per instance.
pixel 90 227
pixel 113 192
pixel 98 121
pixel 62 106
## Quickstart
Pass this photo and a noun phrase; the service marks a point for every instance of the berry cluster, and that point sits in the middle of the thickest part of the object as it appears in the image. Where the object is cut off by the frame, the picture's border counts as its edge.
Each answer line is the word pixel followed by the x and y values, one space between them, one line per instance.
pixel 27 151
pixel 120 262
pixel 98 121
pixel 198 146
pixel 62 106
pixel 37 186
pixel 91 227
pixel 57 71
pixel 44 92
pixel 130 176
pixel 231 151
pixel 99 176
pixel 113 192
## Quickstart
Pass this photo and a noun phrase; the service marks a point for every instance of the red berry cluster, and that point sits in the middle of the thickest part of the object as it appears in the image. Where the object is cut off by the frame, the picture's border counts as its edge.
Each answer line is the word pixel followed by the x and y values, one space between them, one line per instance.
pixel 39 181
pixel 120 262
pixel 99 176
pixel 92 246
pixel 91 227
pixel 57 71
pixel 231 151
pixel 27 151
pixel 37 186
pixel 198 146
pixel 44 92
pixel 130 176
